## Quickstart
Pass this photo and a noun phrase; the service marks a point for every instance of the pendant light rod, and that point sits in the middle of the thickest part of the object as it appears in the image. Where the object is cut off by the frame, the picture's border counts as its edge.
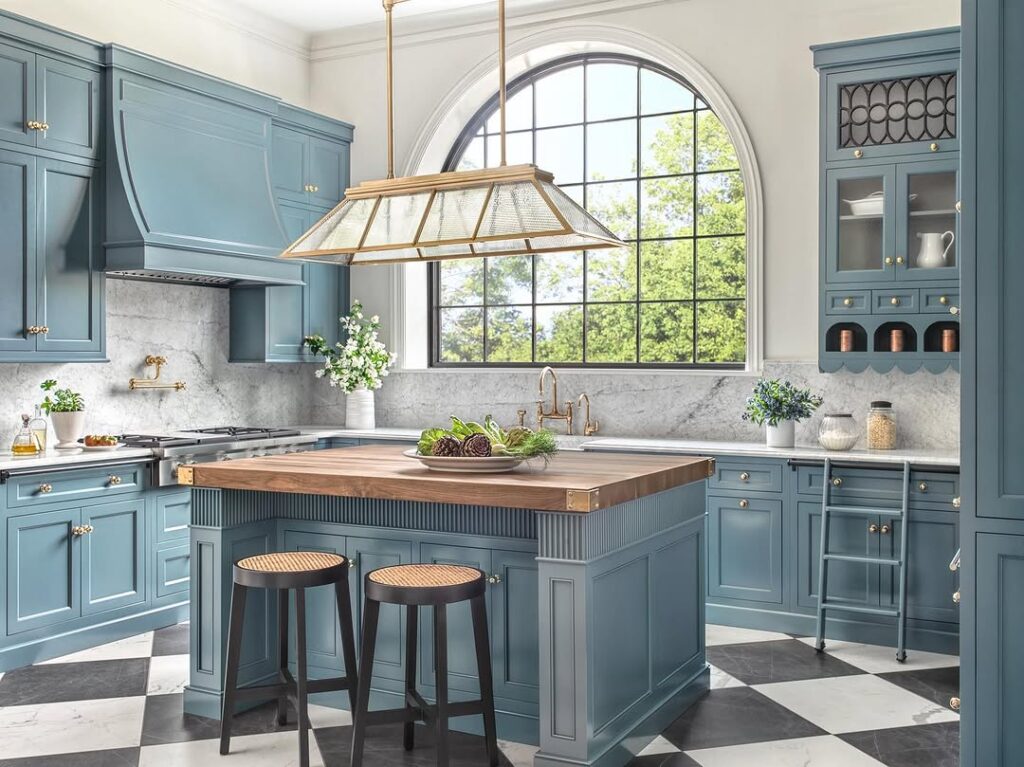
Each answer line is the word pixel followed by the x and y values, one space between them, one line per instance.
pixel 388 5
pixel 502 96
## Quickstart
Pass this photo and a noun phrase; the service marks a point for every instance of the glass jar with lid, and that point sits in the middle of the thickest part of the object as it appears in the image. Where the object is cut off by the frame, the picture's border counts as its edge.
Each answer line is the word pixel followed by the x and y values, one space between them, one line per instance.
pixel 881 426
pixel 838 431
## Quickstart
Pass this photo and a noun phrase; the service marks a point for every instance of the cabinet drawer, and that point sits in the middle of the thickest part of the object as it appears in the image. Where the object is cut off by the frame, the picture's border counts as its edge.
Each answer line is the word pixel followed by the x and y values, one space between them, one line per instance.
pixel 934 487
pixel 75 486
pixel 172 570
pixel 172 516
pixel 848 302
pixel 899 301
pixel 881 485
pixel 939 300
pixel 748 476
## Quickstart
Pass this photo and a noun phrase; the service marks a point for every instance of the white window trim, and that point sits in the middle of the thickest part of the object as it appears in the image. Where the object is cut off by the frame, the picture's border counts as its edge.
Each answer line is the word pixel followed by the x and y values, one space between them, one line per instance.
pixel 409 308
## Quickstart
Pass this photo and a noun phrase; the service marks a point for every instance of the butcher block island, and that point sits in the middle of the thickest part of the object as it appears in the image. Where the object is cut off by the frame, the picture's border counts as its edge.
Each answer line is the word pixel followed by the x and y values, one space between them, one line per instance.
pixel 595 566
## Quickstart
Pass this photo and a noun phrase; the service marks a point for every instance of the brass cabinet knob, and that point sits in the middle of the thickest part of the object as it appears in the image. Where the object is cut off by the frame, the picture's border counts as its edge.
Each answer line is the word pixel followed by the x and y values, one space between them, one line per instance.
pixel 847 302
pixel 895 300
pixel 956 502
pixel 959 206
pixel 943 300
pixel 745 477
pixel 34 125
pixel 44 329
pixel 79 530
pixel 494 580
pixel 858 153
pixel 923 487
pixel 885 529
pixel 954 703
pixel 744 503
pixel 934 147
pixel 32 330
pixel 900 260
pixel 316 188
pixel 113 479
pixel 872 528
pixel 837 482
pixel 354 562
pixel 888 260
pixel 45 488
pixel 954 310
pixel 956 597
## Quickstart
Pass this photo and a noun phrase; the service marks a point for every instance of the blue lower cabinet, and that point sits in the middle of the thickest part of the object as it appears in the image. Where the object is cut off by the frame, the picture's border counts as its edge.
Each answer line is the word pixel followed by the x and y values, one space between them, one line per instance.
pixel 173 569
pixel 171 520
pixel 323 640
pixel 44 572
pixel 515 625
pixel 113 555
pixel 847 581
pixel 745 549
pixel 934 539
pixel 367 554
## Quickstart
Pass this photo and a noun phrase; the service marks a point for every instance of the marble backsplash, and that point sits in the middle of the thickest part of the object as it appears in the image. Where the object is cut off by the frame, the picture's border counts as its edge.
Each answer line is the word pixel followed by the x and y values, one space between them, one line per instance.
pixel 702 406
pixel 189 325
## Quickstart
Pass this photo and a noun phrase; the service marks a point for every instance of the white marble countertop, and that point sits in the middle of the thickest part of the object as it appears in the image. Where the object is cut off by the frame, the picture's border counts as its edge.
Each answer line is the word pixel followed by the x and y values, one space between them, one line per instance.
pixel 65 459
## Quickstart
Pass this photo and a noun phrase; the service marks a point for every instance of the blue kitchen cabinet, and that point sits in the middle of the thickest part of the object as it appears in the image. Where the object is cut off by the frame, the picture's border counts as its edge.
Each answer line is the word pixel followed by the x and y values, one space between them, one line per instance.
pixel 310 167
pixel 515 623
pixel 17 94
pixel 18 249
pixel 745 548
pixel 290 164
pixel 852 582
pixel 329 171
pixel 44 575
pixel 934 538
pixel 113 555
pixel 369 554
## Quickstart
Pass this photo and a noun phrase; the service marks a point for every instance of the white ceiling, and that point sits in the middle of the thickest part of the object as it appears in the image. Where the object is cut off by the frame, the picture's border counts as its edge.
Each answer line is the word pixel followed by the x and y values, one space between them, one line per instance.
pixel 323 15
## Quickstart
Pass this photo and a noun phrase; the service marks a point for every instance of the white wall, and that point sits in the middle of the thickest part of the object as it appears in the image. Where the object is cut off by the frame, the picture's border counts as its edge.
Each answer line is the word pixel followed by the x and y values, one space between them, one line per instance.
pixel 756 50
pixel 212 36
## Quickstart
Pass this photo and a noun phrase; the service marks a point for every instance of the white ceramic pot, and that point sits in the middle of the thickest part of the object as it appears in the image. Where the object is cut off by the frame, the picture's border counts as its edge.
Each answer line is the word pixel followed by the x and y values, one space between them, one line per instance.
pixel 69 428
pixel 783 435
pixel 359 410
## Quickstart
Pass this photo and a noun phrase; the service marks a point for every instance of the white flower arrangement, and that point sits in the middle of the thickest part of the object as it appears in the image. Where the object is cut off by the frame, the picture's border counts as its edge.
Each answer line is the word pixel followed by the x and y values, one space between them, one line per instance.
pixel 359 362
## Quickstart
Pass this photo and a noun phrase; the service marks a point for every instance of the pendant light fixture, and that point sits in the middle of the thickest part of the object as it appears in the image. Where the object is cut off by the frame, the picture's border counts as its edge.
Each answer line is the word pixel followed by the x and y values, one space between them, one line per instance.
pixel 504 211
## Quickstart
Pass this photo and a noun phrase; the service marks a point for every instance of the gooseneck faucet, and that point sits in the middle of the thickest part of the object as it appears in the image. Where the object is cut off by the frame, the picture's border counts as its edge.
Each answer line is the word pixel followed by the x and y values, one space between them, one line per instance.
pixel 554 414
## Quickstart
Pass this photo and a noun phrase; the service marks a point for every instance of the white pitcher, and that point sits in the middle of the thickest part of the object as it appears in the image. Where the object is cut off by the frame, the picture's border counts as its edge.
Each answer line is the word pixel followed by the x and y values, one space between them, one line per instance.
pixel 932 255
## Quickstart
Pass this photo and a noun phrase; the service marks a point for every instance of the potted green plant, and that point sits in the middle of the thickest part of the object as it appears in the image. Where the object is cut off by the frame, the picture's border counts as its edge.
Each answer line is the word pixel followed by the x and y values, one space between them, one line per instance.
pixel 778 405
pixel 66 409
pixel 358 365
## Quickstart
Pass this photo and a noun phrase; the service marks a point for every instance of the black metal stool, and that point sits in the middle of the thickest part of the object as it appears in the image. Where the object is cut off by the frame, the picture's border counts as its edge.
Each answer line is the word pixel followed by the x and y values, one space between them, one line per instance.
pixel 437 586
pixel 297 570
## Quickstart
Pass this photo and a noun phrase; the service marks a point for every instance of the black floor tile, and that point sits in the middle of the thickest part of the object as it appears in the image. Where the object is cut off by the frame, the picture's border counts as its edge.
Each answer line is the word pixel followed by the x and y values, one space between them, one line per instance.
pixel 165 722
pixel 930 745
pixel 663 760
pixel 172 640
pixel 734 716
pixel 936 684
pixel 57 682
pixel 118 757
pixel 785 660
pixel 384 748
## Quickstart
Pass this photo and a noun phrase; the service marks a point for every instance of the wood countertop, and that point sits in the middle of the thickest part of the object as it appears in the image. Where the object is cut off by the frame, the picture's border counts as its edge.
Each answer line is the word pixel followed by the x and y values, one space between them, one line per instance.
pixel 572 481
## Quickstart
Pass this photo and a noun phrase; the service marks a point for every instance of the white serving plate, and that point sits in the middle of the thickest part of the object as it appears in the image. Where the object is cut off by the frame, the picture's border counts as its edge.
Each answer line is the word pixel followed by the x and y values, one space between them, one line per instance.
pixel 102 448
pixel 492 465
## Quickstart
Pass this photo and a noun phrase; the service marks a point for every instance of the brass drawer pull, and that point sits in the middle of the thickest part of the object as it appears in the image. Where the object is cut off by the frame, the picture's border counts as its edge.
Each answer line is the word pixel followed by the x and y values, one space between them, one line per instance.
pixel 954 310
pixel 744 503
pixel 954 703
pixel 934 147
pixel 79 530
pixel 872 528
pixel 956 597
pixel 494 580
pixel 943 300
pixel 45 488
pixel 899 260
pixel 885 530
pixel 956 502
pixel 923 487
pixel 113 479
pixel 847 301
pixel 858 153
pixel 837 482
pixel 888 260
pixel 895 300
pixel 745 476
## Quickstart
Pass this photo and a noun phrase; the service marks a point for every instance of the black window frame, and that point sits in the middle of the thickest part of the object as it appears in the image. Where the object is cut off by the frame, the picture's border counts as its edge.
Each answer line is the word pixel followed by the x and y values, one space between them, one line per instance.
pixel 472 129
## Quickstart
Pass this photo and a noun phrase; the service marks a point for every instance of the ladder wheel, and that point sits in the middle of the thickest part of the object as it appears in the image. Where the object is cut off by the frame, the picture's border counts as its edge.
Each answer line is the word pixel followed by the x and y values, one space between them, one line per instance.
pixel 901 657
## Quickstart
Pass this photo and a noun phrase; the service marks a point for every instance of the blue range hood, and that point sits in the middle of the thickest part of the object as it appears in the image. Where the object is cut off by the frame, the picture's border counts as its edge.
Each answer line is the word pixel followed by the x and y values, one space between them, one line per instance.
pixel 189 191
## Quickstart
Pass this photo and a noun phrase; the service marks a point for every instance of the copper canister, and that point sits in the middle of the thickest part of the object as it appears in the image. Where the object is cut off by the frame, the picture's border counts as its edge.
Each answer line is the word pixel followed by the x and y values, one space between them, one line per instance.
pixel 846 340
pixel 897 339
pixel 949 340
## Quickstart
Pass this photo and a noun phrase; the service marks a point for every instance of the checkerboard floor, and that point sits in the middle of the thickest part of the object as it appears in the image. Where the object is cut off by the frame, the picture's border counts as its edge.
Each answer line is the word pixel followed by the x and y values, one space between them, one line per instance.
pixel 774 702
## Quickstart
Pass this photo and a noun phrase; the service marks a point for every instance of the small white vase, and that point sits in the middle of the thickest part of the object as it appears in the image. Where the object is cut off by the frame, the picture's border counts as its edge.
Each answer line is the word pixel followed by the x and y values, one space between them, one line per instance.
pixel 68 427
pixel 783 435
pixel 359 409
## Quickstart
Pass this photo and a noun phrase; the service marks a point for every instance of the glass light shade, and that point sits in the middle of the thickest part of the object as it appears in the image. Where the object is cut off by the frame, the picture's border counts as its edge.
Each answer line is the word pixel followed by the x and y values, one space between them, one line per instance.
pixel 504 211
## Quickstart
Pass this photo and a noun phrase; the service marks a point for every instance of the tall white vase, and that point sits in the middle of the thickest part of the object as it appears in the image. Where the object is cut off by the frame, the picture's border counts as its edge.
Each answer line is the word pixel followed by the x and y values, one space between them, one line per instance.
pixel 68 427
pixel 359 410
pixel 783 435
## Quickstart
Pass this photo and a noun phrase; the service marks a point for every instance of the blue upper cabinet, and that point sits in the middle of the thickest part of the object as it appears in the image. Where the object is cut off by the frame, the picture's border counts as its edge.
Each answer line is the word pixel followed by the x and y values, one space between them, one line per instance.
pixel 889 204
pixel 311 158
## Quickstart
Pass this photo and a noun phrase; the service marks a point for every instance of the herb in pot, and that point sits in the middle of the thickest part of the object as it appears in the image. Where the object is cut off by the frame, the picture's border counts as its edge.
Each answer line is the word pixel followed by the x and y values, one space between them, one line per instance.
pixel 60 400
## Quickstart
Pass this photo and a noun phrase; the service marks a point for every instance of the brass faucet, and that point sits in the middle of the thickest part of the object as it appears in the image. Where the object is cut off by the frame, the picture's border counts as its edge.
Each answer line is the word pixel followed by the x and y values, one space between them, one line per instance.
pixel 589 427
pixel 554 414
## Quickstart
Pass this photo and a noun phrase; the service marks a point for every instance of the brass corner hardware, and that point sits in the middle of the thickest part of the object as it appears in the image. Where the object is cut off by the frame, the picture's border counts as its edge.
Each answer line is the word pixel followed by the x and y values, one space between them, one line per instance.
pixel 589 427
pixel 582 500
pixel 711 467
pixel 186 475
pixel 154 361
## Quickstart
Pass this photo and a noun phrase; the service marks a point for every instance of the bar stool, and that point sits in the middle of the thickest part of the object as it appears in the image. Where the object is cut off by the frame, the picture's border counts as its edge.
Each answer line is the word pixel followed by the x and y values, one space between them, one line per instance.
pixel 297 570
pixel 437 586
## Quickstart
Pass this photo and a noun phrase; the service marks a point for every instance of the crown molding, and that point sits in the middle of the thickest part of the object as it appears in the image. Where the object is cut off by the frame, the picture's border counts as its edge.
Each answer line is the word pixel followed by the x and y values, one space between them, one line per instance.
pixel 251 24
pixel 364 39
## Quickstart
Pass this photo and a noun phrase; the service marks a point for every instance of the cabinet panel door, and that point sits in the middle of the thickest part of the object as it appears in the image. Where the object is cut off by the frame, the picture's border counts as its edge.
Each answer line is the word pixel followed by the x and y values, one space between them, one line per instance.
pixel 328 171
pixel 515 626
pixel 461 650
pixel 745 549
pixel 860 234
pixel 17 250
pixel 323 300
pixel 323 634
pixel 290 164
pixel 173 567
pixel 43 570
pixel 934 539
pixel 926 220
pixel 113 556
pixel 370 554
pixel 17 95
pixel 69 103
pixel 847 581
pixel 172 516
pixel 70 279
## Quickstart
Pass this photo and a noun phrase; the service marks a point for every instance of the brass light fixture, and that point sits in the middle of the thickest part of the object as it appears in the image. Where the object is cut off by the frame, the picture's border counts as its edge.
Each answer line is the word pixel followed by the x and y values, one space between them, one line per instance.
pixel 504 211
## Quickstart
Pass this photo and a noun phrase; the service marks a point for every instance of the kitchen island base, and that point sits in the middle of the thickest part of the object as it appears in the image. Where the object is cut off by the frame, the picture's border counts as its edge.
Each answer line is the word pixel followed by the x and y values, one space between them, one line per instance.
pixel 596 619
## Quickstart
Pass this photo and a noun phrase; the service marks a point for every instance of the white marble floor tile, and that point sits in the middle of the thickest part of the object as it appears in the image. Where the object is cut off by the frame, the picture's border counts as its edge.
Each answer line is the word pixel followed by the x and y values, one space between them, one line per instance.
pixel 138 646
pixel 81 725
pixel 326 716
pixel 855 703
pixel 276 749
pixel 876 659
pixel 520 754
pixel 168 674
pixel 826 751
pixel 659 746
pixel 716 635
pixel 720 680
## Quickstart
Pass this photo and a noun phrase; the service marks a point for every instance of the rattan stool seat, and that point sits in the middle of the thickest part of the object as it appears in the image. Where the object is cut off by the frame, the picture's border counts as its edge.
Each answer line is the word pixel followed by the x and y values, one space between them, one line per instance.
pixel 424 576
pixel 290 569
pixel 425 584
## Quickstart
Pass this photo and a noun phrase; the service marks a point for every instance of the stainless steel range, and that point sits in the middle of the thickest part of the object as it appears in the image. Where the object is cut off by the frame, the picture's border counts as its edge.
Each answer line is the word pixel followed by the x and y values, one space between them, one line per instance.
pixel 223 443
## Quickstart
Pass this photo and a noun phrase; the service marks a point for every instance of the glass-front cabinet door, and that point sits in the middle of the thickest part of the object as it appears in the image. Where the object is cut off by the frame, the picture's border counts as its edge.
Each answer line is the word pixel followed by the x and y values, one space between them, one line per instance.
pixel 859 227
pixel 926 218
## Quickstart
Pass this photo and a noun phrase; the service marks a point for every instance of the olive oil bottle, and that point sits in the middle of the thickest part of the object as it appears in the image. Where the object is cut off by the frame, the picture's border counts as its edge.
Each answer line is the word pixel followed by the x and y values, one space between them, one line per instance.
pixel 39 428
pixel 26 443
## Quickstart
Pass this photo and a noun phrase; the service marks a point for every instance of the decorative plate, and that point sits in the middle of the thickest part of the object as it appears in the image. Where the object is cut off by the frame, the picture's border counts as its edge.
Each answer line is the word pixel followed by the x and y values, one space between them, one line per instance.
pixel 492 465
pixel 102 448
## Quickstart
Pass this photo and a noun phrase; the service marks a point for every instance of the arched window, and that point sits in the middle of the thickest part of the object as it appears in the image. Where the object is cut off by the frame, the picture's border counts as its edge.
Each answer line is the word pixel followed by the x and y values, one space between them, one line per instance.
pixel 639 148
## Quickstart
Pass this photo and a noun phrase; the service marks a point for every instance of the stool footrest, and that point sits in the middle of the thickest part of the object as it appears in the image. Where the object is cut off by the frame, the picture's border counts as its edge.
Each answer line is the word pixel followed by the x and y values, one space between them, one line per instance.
pixel 328 685
pixel 422 712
